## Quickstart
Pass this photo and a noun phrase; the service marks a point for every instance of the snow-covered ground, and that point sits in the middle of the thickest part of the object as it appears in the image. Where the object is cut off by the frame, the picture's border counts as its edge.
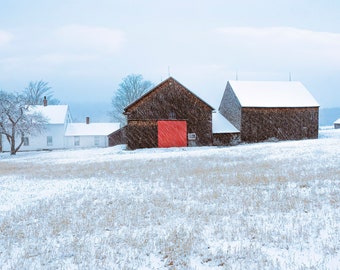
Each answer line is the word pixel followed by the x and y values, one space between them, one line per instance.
pixel 273 205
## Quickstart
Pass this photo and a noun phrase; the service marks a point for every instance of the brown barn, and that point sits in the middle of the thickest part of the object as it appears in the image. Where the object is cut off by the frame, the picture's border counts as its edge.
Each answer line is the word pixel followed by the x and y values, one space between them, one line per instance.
pixel 169 115
pixel 265 110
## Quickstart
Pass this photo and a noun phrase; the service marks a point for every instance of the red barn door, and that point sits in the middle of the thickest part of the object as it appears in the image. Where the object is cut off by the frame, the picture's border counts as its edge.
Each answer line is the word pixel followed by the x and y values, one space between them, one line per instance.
pixel 172 133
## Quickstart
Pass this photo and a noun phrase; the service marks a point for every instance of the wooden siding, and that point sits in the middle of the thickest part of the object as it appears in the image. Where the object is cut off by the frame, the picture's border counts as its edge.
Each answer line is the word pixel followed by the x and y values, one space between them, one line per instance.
pixel 118 137
pixel 230 107
pixel 168 100
pixel 259 124
pixel 142 134
pixel 221 139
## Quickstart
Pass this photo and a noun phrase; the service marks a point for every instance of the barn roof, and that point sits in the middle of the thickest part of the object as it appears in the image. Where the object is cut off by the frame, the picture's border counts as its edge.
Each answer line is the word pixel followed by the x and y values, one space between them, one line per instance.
pixel 169 80
pixel 269 94
pixel 92 129
pixel 221 125
pixel 337 121
pixel 55 114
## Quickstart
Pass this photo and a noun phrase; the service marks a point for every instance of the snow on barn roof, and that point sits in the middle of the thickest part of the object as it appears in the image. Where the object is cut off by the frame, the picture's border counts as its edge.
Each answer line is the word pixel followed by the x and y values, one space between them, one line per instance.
pixel 92 129
pixel 337 121
pixel 272 94
pixel 221 125
pixel 55 114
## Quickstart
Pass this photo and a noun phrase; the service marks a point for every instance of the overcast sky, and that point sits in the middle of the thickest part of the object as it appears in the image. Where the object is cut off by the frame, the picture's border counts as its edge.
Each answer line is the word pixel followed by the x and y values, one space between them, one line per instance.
pixel 84 48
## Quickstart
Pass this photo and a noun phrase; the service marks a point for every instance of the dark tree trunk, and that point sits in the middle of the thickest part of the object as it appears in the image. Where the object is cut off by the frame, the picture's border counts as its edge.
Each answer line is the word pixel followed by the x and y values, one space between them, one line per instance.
pixel 13 152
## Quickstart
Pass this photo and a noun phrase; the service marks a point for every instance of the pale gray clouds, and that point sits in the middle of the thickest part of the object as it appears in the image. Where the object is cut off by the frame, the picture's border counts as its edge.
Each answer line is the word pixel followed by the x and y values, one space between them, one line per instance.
pixel 5 38
pixel 89 40
pixel 84 48
pixel 288 47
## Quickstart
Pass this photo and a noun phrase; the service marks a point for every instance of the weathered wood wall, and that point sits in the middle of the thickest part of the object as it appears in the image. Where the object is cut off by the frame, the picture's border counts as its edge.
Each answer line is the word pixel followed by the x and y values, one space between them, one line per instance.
pixel 118 137
pixel 230 107
pixel 169 100
pixel 259 124
pixel 221 139
pixel 142 134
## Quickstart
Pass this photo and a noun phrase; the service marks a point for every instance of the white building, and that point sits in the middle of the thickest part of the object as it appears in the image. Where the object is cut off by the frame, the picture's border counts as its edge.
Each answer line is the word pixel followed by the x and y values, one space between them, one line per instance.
pixel 89 134
pixel 61 133
pixel 58 117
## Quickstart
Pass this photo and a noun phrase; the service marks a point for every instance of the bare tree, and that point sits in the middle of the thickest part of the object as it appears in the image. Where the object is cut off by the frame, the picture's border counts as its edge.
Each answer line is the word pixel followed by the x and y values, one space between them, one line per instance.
pixel 132 87
pixel 17 119
pixel 36 91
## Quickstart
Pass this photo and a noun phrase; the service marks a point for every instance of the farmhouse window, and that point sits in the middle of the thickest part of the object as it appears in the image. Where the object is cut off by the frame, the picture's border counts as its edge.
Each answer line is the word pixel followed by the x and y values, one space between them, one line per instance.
pixel 96 140
pixel 76 140
pixel 26 141
pixel 49 140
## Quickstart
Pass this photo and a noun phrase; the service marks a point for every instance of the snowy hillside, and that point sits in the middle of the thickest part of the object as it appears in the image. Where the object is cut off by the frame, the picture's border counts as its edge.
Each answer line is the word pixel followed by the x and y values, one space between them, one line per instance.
pixel 271 205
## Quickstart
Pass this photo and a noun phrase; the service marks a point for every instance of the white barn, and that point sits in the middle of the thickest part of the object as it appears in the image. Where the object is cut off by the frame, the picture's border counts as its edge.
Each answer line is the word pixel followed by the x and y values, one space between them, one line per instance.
pixel 88 134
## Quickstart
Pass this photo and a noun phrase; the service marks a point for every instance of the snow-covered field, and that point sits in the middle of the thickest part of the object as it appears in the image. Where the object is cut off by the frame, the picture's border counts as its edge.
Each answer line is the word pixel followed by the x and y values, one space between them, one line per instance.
pixel 273 205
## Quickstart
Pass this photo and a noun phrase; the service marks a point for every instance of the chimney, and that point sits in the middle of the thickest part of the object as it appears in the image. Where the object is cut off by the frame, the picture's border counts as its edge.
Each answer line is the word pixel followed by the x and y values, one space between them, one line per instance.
pixel 45 101
pixel 87 120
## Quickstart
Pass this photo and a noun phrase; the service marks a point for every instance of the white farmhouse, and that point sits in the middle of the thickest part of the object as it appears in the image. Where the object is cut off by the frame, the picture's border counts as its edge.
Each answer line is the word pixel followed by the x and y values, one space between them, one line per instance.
pixel 58 117
pixel 89 134
pixel 61 133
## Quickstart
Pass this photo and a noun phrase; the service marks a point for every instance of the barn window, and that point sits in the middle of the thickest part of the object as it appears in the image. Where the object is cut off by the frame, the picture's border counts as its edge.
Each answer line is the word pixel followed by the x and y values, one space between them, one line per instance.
pixel 26 141
pixel 76 140
pixel 49 140
pixel 172 115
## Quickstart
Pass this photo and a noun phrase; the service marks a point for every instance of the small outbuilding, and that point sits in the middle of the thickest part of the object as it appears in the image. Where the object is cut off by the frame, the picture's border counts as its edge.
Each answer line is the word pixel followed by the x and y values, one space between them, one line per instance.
pixel 169 115
pixel 263 110
pixel 224 133
pixel 83 135
pixel 337 124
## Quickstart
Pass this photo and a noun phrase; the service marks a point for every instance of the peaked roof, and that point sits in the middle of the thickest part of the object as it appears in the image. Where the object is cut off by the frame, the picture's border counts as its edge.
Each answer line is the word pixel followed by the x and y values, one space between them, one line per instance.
pixel 169 80
pixel 55 114
pixel 272 94
pixel 92 129
pixel 337 121
pixel 220 124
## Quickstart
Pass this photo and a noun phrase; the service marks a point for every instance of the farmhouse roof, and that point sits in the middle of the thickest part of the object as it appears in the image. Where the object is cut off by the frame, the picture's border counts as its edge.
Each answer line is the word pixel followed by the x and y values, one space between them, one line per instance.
pixel 92 129
pixel 55 114
pixel 272 94
pixel 169 81
pixel 221 125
